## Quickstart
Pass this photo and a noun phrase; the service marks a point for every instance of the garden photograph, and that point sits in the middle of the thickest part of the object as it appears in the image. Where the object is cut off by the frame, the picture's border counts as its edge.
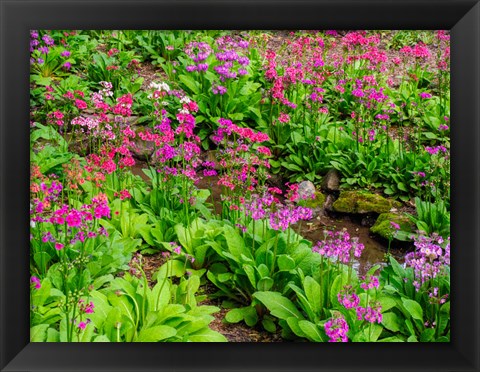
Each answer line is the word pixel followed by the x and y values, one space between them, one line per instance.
pixel 239 186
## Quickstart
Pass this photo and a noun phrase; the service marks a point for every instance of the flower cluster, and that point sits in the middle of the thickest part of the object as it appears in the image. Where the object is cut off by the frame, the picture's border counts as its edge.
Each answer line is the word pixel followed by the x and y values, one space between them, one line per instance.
pixel 430 259
pixel 348 298
pixel 71 224
pixel 288 215
pixel 371 314
pixel 41 47
pixel 339 246
pixel 337 329
pixel 198 52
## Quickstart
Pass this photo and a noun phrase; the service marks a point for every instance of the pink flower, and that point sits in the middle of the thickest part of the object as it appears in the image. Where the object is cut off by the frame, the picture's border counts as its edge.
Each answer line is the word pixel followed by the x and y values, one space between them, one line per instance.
pixel 81 105
pixel 395 225
pixel 36 282
pixel 82 325
pixel 58 246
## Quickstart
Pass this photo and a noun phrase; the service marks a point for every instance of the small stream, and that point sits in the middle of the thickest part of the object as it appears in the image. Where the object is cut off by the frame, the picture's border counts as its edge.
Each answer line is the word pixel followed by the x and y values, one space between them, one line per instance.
pixel 373 254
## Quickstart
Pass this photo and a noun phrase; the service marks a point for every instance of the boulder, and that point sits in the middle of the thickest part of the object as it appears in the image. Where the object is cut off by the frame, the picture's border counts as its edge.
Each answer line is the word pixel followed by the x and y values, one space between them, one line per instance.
pixel 316 204
pixel 331 181
pixel 384 225
pixel 142 150
pixel 306 190
pixel 362 202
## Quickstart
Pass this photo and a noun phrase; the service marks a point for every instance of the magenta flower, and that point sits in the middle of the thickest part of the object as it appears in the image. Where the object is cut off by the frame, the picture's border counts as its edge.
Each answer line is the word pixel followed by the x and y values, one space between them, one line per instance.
pixel 36 282
pixel 337 329
pixel 395 225
pixel 425 95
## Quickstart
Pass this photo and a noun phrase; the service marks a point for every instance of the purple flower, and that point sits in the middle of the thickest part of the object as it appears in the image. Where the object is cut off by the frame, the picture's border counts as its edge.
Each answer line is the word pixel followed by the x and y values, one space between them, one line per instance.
pixel 48 40
pixel 395 225
pixel 430 259
pixel 348 298
pixel 339 246
pixel 36 282
pixel 67 65
pixel 65 53
pixel 337 329
pixel 425 95
pixel 219 89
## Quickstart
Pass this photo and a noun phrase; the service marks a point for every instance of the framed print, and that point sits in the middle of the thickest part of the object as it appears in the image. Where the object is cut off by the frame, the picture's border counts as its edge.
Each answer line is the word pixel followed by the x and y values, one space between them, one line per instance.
pixel 240 185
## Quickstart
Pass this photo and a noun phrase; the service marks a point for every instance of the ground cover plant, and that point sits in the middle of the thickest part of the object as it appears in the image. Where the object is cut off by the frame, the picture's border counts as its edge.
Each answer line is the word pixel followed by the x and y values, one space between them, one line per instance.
pixel 213 186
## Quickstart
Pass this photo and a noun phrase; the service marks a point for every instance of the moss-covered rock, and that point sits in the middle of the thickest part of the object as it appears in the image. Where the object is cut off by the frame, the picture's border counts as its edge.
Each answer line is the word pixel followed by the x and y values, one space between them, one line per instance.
pixel 384 227
pixel 314 203
pixel 363 202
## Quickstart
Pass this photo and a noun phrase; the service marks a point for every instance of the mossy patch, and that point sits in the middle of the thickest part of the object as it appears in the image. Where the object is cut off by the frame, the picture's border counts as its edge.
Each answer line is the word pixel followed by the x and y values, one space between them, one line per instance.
pixel 363 202
pixel 314 203
pixel 383 226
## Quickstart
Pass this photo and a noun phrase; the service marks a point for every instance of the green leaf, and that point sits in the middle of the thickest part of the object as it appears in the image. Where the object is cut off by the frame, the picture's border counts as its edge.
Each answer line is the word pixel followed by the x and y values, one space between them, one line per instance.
pixel 190 83
pixel 235 243
pixel 427 335
pixel 293 324
pixel 207 335
pixel 391 322
pixel 285 262
pixel 38 333
pixel 412 339
pixel 397 268
pixel 156 333
pixel 101 338
pixel 265 284
pixel 313 294
pixel 269 325
pixel 391 339
pixel 401 186
pixel 234 315
pixel 386 302
pixel 311 330
pixel 53 335
pixel 41 260
pixel 413 308
pixel 279 306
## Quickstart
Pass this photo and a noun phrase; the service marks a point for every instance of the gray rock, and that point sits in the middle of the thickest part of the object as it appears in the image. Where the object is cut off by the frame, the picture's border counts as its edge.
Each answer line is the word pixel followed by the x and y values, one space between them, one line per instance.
pixel 306 190
pixel 141 149
pixel 331 181
pixel 329 202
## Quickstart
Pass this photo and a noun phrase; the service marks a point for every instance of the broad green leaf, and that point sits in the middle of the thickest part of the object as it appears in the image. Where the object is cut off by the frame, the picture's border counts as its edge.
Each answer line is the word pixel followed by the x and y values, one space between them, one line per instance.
pixel 265 284
pixel 391 322
pixel 413 308
pixel 234 315
pixel 295 327
pixel 386 302
pixel 53 335
pixel 285 262
pixel 207 335
pixel 427 335
pixel 311 330
pixel 156 333
pixel 313 293
pixel 279 306
pixel 391 339
pixel 190 83
pixel 101 338
pixel 38 333
pixel 235 243
pixel 269 325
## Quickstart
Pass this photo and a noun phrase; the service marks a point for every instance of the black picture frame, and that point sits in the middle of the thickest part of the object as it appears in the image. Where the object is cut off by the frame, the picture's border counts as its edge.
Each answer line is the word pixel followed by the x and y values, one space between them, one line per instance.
pixel 17 17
